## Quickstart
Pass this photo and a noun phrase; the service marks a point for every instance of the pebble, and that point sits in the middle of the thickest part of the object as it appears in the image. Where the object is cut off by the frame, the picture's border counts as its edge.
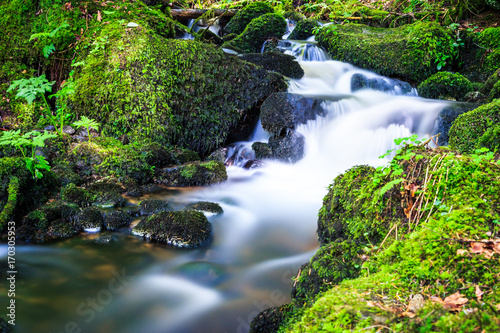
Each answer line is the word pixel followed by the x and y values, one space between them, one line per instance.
pixel 49 128
pixel 68 130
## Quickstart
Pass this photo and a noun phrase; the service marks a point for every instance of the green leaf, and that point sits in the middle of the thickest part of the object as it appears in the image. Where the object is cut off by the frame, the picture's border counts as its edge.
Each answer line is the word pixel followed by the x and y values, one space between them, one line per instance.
pixel 48 50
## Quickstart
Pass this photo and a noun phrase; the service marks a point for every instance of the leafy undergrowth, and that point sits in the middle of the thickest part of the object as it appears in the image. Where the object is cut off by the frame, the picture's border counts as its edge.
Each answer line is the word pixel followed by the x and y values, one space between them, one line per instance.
pixel 430 266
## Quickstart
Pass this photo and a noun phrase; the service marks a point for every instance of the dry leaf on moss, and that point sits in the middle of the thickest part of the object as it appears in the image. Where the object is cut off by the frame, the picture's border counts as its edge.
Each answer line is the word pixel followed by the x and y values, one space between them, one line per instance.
pixel 453 302
pixel 479 293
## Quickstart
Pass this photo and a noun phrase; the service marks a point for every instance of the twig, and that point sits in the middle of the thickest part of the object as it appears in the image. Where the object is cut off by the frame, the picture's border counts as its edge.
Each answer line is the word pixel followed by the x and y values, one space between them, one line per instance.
pixel 395 226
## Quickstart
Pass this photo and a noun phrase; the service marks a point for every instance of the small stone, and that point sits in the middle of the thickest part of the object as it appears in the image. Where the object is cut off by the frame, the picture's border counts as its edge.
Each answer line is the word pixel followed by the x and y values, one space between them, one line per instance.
pixel 104 239
pixel 49 128
pixel 68 130
pixel 416 303
pixel 132 25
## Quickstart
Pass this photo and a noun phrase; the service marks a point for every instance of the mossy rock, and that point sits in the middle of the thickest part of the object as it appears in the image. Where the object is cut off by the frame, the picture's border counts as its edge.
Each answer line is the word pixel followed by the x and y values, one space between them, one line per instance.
pixel 108 157
pixel 270 320
pixel 204 92
pixel 65 173
pixel 267 26
pixel 480 56
pixel 157 155
pixel 90 219
pixel 332 264
pixel 185 156
pixel 411 52
pixel 19 191
pixel 446 118
pixel 50 222
pixel 344 214
pixel 284 64
pixel 262 150
pixel 294 16
pixel 490 82
pixel 106 194
pixel 304 29
pixel 244 16
pixel 184 229
pixel 477 129
pixel 153 206
pixel 430 256
pixel 445 85
pixel 193 174
pixel 116 220
pixel 205 207
pixel 494 93
pixel 76 195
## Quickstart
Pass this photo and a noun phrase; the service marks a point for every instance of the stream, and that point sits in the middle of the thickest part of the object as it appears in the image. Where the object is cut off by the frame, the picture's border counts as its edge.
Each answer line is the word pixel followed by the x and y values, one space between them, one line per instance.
pixel 267 231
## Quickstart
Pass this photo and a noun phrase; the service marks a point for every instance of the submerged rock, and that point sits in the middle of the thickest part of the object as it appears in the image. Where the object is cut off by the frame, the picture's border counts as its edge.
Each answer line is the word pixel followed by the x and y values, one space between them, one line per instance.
pixel 116 220
pixel 289 147
pixel 184 229
pixel 153 206
pixel 212 208
pixel 360 81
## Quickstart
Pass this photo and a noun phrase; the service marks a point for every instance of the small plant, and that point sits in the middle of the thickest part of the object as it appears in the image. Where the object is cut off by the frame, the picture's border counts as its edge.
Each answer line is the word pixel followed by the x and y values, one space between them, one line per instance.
pixel 31 88
pixel 87 123
pixel 48 49
pixel 27 144
pixel 62 114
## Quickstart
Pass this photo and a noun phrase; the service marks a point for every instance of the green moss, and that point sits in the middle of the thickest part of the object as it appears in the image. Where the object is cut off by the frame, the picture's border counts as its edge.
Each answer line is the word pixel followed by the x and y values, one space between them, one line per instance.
pixel 205 206
pixel 494 93
pixel 474 129
pixel 10 206
pixel 189 229
pixel 193 174
pixel 304 29
pixel 294 16
pixel 490 38
pixel 412 52
pixel 445 85
pixel 153 206
pixel 244 16
pixel 428 252
pixel 184 93
pixel 267 26
pixel 76 195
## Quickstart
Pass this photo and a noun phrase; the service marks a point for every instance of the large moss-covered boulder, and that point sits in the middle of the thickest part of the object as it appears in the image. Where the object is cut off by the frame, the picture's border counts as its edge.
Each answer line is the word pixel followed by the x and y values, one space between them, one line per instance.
pixel 494 93
pixel 188 229
pixel 476 129
pixel 445 85
pixel 19 190
pixel 304 29
pixel 480 56
pixel 89 219
pixel 106 194
pixel 244 16
pixel 116 220
pixel 181 92
pixel 265 27
pixel 411 52
pixel 284 64
pixel 193 174
pixel 76 195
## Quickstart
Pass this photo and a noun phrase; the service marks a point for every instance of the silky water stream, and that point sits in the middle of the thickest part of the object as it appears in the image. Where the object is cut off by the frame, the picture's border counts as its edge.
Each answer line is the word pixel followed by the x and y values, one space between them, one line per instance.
pixel 267 231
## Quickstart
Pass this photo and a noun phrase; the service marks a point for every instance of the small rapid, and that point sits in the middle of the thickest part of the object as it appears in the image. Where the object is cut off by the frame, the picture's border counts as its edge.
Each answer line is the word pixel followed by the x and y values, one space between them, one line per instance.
pixel 267 231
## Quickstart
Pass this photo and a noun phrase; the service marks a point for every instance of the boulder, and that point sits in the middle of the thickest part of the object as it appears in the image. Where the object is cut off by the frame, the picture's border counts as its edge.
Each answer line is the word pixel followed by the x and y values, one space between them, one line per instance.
pixel 360 82
pixel 445 85
pixel 284 64
pixel 304 29
pixel 238 23
pixel 477 128
pixel 267 26
pixel 197 94
pixel 116 220
pixel 193 174
pixel 446 118
pixel 89 219
pixel 411 52
pixel 106 194
pixel 282 111
pixel 206 207
pixel 184 229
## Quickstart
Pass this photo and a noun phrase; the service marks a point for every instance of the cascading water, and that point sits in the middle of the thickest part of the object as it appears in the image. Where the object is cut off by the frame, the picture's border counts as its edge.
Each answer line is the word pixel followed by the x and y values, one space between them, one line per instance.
pixel 267 231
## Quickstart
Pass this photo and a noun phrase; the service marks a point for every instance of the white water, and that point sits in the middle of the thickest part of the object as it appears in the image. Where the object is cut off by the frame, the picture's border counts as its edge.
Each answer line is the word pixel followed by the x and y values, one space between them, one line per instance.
pixel 267 231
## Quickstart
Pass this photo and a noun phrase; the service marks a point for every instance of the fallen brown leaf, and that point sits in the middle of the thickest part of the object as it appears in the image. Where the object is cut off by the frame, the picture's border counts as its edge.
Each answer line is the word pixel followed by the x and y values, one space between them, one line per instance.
pixel 99 16
pixel 479 293
pixel 453 302
pixel 462 252
pixel 477 248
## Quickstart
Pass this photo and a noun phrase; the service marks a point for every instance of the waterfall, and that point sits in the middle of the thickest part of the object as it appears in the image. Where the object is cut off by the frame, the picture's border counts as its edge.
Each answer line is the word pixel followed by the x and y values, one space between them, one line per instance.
pixel 267 231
